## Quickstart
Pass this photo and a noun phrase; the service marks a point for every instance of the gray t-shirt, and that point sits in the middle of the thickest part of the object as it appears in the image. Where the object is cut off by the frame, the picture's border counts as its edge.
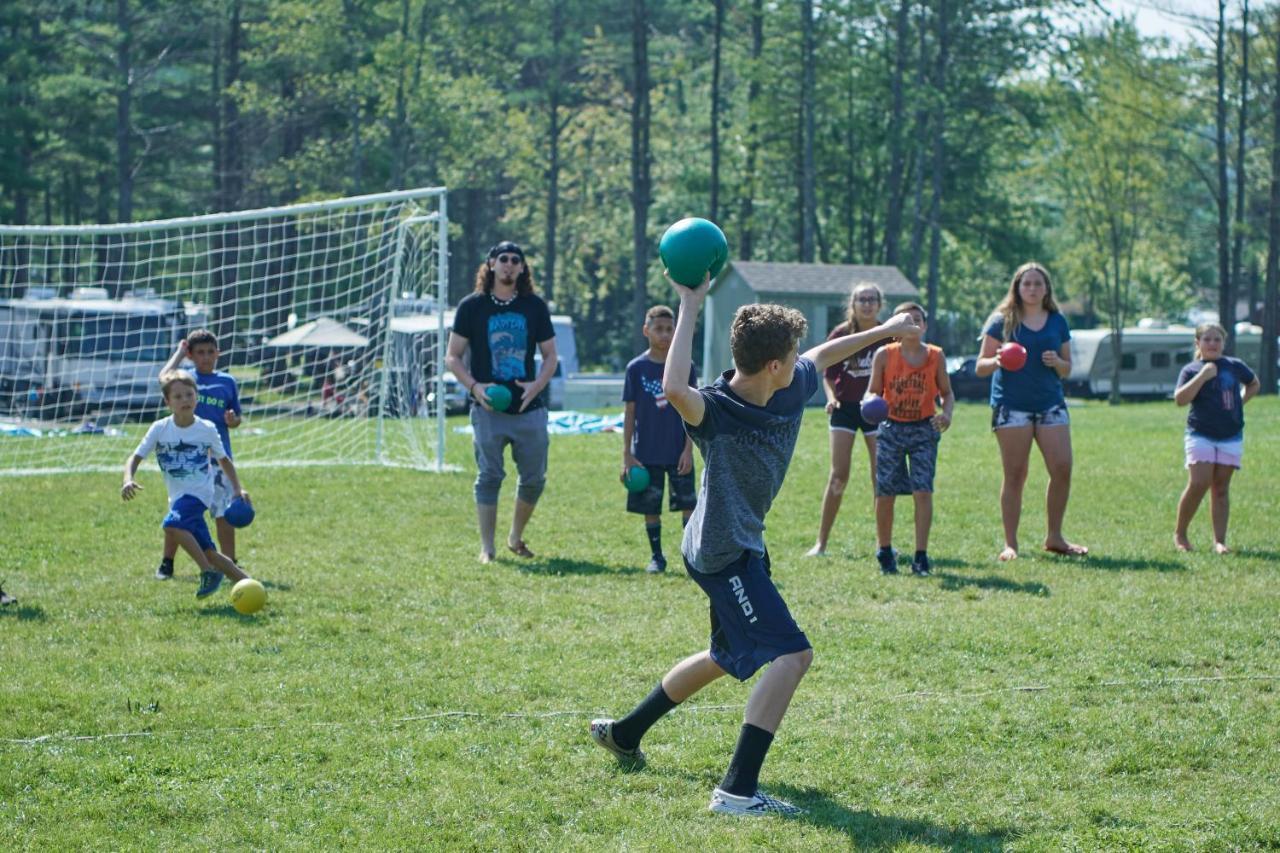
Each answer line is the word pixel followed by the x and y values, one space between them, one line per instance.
pixel 745 453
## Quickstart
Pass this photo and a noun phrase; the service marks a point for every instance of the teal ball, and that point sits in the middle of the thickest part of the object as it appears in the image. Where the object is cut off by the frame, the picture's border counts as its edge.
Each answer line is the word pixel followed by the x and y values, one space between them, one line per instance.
pixel 691 248
pixel 499 397
pixel 637 478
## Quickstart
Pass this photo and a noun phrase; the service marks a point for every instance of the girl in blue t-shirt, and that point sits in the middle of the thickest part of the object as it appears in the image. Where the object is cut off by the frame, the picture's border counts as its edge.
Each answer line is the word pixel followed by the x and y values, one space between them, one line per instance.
pixel 1216 387
pixel 1027 403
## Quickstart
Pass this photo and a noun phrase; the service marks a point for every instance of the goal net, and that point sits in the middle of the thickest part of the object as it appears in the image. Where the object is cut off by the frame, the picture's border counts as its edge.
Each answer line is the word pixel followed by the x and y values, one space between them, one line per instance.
pixel 328 315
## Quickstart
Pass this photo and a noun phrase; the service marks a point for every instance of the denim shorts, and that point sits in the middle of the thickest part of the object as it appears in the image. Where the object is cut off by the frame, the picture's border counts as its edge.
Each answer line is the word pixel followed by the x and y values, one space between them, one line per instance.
pixel 1003 417
pixel 683 493
pixel 187 513
pixel 750 623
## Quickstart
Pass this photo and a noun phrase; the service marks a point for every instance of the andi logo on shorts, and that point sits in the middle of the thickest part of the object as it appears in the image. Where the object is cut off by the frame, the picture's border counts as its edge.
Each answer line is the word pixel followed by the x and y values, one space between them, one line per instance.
pixel 740 591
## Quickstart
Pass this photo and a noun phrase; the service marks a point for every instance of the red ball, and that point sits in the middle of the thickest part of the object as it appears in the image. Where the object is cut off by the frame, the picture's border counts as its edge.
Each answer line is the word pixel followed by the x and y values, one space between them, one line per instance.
pixel 1012 356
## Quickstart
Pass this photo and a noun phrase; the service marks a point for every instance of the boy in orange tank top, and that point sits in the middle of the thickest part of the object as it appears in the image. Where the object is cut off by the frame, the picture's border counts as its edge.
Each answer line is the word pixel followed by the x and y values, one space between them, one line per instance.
pixel 912 377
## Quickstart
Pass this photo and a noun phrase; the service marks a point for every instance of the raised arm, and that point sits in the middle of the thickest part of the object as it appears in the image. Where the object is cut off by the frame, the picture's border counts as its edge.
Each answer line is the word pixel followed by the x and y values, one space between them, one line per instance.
pixel 834 351
pixel 176 359
pixel 675 376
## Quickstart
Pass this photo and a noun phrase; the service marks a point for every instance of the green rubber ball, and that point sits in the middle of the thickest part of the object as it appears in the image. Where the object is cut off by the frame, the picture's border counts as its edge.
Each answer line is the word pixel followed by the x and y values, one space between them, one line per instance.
pixel 637 478
pixel 499 397
pixel 692 247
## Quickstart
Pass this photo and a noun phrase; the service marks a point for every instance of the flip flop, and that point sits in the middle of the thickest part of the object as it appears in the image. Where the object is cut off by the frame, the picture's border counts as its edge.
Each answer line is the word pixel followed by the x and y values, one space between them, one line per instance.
pixel 1069 551
pixel 520 550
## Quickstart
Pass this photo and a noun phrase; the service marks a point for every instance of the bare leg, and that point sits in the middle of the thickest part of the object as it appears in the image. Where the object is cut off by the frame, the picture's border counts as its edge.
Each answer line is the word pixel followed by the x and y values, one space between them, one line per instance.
pixel 1220 506
pixel 690 675
pixel 1199 479
pixel 524 511
pixel 772 694
pixel 1055 447
pixel 884 521
pixel 487 515
pixel 188 542
pixel 871 457
pixel 222 564
pixel 1015 451
pixel 226 539
pixel 841 449
pixel 924 519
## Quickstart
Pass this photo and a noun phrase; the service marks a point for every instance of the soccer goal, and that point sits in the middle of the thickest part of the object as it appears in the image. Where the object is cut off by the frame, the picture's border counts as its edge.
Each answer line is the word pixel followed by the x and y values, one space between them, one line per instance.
pixel 329 315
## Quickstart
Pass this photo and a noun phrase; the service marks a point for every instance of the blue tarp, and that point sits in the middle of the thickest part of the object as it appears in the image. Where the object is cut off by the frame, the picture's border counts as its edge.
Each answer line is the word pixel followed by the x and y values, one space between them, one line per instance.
pixel 573 423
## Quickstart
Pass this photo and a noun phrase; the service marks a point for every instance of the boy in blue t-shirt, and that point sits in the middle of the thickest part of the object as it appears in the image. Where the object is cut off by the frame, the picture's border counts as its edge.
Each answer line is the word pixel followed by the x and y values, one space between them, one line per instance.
pixel 745 425
pixel 653 435
pixel 217 401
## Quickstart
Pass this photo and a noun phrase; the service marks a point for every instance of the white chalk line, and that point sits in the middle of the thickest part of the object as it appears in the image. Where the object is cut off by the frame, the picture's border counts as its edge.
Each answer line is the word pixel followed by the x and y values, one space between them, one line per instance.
pixel 545 715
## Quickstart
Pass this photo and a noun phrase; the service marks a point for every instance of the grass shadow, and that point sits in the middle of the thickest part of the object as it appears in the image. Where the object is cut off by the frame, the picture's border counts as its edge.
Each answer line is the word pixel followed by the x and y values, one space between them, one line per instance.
pixel 23 612
pixel 226 611
pixel 871 831
pixel 1135 564
pixel 952 583
pixel 1258 553
pixel 555 566
pixel 282 587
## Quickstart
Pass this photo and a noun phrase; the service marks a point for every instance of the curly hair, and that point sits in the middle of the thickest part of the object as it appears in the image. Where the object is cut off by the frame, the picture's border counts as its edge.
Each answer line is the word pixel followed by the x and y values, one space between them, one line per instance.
pixel 485 277
pixel 762 333
pixel 1010 308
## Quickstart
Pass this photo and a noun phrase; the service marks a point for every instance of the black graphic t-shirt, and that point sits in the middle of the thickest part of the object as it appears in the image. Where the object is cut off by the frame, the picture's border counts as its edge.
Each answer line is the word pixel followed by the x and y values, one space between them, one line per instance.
pixel 504 338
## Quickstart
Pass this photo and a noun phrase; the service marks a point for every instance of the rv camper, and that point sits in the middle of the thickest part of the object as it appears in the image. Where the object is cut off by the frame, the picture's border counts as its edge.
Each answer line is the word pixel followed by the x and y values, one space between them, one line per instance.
pixel 65 357
pixel 1151 360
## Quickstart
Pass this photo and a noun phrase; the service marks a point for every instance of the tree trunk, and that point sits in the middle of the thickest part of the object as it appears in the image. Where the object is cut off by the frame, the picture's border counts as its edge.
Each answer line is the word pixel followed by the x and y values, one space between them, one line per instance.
pixel 400 124
pixel 1226 299
pixel 641 189
pixel 917 185
pixel 897 157
pixel 230 177
pixel 747 228
pixel 939 157
pixel 717 36
pixel 1237 252
pixel 1271 301
pixel 554 127
pixel 124 106
pixel 808 194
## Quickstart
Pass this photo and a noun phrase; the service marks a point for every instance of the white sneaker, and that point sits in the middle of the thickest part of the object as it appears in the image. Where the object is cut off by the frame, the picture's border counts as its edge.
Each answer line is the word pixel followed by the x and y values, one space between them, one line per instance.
pixel 602 735
pixel 760 805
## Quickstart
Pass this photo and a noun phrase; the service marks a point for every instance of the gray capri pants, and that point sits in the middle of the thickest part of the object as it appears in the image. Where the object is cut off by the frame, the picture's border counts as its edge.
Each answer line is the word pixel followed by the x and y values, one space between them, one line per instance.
pixel 526 432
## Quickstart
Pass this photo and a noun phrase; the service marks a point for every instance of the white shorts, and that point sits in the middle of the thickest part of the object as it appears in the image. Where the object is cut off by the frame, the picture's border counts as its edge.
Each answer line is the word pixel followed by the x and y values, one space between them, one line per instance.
pixel 222 495
pixel 1204 450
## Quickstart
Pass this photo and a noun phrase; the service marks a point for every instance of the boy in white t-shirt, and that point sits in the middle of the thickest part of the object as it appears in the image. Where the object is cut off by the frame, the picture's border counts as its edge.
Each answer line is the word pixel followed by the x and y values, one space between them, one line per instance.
pixel 183 445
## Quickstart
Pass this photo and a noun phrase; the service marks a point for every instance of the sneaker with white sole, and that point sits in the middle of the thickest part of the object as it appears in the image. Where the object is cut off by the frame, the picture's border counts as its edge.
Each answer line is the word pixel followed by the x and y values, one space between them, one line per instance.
pixel 759 805
pixel 209 583
pixel 164 572
pixel 602 734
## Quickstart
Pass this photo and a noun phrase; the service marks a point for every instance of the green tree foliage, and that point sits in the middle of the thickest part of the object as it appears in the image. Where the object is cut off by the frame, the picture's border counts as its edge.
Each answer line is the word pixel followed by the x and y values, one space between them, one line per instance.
pixel 953 138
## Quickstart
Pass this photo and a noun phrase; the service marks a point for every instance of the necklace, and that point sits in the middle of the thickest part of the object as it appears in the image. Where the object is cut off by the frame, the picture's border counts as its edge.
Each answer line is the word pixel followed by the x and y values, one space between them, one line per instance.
pixel 502 303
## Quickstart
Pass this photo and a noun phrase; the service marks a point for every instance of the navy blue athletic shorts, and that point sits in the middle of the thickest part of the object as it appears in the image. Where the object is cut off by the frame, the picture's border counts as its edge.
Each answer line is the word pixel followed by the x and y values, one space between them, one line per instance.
pixel 750 623
pixel 187 513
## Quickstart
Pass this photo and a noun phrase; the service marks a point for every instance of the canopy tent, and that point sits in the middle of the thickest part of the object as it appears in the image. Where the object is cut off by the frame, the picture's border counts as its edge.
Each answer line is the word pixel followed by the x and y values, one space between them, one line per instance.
pixel 321 332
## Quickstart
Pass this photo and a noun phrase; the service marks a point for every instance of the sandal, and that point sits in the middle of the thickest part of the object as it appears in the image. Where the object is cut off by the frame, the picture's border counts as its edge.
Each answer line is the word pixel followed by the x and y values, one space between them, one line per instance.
pixel 520 550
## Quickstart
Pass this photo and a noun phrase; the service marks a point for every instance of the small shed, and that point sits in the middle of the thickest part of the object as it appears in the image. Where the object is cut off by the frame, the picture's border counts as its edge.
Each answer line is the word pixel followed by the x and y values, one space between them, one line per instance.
pixel 819 291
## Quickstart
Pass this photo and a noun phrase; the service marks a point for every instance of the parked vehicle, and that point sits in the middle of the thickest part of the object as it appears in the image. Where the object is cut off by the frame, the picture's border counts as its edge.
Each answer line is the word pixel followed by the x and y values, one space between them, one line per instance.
pixel 965 383
pixel 66 357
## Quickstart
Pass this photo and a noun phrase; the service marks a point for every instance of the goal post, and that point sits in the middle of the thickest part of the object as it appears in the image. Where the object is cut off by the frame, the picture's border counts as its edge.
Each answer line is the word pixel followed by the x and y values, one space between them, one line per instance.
pixel 329 315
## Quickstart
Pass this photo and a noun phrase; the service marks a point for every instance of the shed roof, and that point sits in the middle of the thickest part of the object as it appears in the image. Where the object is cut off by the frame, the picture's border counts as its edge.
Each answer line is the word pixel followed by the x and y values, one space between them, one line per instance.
pixel 818 279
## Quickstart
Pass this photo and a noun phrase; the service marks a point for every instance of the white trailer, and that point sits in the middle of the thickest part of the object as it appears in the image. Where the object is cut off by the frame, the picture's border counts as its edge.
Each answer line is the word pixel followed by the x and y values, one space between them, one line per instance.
pixel 69 356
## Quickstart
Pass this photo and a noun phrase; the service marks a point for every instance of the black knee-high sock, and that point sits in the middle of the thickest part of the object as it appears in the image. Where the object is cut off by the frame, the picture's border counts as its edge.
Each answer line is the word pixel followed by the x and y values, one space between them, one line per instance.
pixel 654 532
pixel 743 775
pixel 628 731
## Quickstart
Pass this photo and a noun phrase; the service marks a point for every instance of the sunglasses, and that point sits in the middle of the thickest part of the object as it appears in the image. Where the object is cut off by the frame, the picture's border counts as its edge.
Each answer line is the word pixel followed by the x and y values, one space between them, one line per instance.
pixel 868 300
pixel 510 259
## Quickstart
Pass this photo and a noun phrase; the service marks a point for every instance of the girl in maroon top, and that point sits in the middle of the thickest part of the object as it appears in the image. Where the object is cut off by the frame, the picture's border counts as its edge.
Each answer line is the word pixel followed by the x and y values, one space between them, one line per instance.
pixel 845 384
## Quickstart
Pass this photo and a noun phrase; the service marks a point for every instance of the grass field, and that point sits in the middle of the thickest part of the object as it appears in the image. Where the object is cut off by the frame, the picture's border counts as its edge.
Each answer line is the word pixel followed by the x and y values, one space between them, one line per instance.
pixel 396 694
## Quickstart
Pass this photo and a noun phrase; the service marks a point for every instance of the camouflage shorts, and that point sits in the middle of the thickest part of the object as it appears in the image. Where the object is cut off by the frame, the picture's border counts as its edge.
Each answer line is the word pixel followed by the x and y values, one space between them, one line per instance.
pixel 906 456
